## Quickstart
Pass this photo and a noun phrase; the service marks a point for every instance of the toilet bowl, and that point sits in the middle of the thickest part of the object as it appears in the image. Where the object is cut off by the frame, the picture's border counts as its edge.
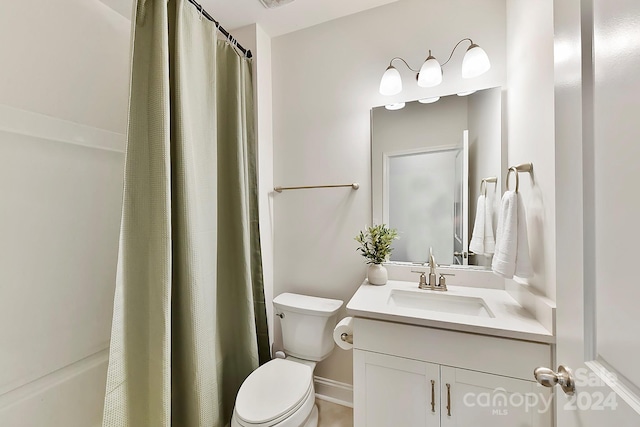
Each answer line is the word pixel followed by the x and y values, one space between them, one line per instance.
pixel 280 393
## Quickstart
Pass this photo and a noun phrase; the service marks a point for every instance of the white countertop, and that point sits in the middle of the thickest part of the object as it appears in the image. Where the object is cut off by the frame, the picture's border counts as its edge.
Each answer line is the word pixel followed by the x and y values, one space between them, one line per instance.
pixel 510 321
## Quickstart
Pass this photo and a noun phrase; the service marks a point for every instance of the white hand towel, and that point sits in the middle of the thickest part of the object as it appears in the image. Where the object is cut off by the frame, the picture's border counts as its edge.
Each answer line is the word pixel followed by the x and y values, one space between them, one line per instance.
pixel 512 244
pixel 524 268
pixel 477 237
pixel 482 240
pixel 489 239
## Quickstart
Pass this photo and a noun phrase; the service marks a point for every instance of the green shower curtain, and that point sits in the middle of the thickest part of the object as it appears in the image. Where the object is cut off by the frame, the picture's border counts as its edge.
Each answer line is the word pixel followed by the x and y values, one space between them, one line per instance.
pixel 189 321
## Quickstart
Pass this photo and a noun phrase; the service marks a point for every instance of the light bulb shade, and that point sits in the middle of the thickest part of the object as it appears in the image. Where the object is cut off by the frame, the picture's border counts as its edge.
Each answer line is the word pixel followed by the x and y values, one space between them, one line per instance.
pixel 395 106
pixel 429 100
pixel 475 62
pixel 391 83
pixel 430 74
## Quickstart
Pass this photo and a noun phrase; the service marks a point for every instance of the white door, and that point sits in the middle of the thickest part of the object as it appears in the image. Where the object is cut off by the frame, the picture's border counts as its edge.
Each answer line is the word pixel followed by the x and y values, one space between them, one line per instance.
pixel 598 209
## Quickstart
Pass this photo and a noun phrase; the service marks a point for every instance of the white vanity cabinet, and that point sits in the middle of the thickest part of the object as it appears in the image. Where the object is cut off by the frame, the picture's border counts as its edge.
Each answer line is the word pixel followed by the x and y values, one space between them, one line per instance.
pixel 394 391
pixel 483 399
pixel 416 376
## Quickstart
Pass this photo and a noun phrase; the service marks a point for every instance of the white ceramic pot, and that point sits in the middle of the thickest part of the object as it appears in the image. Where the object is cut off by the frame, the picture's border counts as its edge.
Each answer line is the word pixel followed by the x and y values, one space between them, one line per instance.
pixel 377 274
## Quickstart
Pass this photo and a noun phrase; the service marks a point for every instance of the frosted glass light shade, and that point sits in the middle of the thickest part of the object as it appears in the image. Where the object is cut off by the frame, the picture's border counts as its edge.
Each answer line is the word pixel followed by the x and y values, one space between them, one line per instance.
pixel 430 74
pixel 475 62
pixel 391 83
pixel 429 100
pixel 395 106
pixel 469 92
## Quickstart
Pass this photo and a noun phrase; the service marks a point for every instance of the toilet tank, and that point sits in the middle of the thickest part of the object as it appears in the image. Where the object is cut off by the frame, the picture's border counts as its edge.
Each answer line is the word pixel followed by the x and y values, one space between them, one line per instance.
pixel 307 324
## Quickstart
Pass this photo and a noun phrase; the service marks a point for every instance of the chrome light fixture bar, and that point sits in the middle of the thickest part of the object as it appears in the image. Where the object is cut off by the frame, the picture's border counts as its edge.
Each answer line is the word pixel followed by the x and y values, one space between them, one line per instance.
pixel 475 63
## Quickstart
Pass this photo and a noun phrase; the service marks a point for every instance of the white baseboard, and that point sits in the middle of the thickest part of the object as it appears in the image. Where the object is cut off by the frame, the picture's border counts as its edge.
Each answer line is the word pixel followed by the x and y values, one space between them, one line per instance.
pixel 334 391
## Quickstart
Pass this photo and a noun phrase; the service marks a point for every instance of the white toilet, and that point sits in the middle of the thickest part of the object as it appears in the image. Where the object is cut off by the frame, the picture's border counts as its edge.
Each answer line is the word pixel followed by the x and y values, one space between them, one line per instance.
pixel 280 393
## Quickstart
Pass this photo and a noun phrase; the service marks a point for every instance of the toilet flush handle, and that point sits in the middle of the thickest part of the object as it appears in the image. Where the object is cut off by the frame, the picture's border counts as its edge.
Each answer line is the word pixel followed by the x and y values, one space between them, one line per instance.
pixel 280 315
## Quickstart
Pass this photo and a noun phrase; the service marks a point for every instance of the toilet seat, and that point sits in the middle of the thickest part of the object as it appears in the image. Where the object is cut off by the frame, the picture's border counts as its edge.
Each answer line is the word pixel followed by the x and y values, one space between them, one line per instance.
pixel 273 392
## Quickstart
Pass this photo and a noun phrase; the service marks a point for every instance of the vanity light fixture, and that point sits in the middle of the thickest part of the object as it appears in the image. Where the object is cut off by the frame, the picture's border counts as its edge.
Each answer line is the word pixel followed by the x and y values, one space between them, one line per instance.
pixel 475 63
pixel 395 106
pixel 469 92
pixel 429 100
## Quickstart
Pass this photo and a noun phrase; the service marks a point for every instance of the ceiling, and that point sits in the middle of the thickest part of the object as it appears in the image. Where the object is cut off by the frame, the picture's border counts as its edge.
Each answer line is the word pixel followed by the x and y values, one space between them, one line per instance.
pixel 291 17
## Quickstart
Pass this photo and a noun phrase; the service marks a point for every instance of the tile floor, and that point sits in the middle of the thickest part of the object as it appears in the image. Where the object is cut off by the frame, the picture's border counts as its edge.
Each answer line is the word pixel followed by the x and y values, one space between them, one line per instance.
pixel 333 415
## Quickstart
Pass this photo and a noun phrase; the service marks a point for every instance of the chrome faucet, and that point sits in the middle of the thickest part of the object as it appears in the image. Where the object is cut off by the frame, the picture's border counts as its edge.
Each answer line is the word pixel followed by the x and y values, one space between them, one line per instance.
pixel 432 269
pixel 422 284
pixel 441 284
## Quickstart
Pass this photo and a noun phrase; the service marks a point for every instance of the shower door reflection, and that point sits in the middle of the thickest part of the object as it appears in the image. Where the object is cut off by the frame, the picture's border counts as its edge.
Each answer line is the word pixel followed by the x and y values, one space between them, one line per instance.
pixel 420 196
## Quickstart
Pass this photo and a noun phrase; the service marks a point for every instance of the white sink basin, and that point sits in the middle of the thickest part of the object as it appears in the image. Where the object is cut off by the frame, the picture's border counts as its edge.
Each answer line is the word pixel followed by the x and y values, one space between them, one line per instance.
pixel 441 302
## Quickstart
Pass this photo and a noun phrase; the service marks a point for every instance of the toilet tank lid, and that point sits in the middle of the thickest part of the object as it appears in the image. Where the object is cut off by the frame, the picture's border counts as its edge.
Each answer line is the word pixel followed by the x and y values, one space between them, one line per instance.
pixel 307 304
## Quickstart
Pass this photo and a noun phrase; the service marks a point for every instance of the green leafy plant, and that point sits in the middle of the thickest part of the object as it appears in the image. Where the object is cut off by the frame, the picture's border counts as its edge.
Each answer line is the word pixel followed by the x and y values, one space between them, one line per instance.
pixel 375 243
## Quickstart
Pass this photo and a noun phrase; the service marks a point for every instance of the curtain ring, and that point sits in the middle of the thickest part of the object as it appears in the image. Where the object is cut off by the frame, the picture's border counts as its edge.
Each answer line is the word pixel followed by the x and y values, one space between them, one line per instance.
pixel 515 171
pixel 201 12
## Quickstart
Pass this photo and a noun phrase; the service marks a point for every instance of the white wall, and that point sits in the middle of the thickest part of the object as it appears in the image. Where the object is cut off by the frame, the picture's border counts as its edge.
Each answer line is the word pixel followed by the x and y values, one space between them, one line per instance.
pixel 530 116
pixel 66 59
pixel 325 81
pixel 254 38
pixel 63 109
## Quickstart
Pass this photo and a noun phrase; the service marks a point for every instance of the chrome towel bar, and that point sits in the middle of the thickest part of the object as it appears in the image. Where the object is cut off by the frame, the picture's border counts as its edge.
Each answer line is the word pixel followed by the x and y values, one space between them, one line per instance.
pixel 354 185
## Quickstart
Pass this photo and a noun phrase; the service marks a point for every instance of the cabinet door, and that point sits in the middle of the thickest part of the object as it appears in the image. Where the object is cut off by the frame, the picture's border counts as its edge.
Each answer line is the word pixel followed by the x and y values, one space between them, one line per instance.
pixel 394 391
pixel 471 398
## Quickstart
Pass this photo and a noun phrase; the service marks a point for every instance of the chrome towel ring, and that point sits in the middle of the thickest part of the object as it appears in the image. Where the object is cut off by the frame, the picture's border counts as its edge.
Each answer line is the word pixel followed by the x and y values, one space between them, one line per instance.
pixel 524 167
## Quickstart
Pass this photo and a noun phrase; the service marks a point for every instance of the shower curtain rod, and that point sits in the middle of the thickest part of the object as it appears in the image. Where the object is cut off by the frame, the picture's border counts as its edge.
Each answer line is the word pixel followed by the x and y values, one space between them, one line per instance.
pixel 229 37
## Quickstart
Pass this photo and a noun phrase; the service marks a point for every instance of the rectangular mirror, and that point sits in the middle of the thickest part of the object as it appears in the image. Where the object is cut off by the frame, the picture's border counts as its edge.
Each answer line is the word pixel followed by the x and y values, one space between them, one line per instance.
pixel 428 162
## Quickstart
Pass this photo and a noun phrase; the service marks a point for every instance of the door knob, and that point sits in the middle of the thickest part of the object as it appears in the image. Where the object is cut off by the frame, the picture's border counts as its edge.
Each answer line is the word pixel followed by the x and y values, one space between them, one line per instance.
pixel 564 377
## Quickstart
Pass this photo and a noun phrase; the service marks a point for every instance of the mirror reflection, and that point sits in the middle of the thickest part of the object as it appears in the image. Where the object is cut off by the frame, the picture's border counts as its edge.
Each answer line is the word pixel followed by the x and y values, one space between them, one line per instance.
pixel 428 162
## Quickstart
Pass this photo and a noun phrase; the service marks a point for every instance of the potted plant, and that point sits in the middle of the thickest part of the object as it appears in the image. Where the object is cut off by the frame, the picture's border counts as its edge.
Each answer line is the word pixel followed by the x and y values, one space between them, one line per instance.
pixel 375 247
